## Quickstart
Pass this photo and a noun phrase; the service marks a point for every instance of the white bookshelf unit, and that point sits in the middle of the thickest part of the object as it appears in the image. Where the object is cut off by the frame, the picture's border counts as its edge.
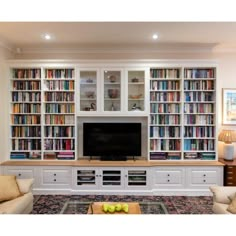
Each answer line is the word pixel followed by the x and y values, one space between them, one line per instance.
pixel 25 113
pixel 176 103
pixel 59 131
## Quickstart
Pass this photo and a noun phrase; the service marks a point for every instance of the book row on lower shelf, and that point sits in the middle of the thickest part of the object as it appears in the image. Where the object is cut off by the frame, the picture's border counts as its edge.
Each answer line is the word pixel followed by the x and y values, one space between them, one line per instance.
pixel 46 156
pixel 187 156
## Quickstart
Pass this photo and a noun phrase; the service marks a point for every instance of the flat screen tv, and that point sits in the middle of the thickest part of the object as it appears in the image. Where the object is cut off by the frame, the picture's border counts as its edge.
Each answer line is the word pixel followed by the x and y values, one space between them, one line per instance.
pixel 112 141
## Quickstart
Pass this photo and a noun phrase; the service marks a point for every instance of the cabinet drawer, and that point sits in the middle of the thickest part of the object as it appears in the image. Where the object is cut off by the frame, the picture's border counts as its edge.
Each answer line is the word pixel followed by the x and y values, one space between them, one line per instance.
pixel 20 173
pixel 204 174
pixel 56 176
pixel 203 180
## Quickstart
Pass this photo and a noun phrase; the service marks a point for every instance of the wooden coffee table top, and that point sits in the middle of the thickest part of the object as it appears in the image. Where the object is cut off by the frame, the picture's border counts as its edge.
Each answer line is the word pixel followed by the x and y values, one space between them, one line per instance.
pixel 134 208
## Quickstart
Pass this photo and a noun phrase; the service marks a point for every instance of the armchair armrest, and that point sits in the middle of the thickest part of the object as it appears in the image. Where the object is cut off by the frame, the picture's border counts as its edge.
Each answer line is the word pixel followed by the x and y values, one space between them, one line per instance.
pixel 223 194
pixel 25 185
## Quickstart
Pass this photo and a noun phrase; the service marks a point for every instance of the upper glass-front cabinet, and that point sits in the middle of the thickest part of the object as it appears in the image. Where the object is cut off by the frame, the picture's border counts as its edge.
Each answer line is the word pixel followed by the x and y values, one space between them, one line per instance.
pixel 136 90
pixel 88 90
pixel 112 90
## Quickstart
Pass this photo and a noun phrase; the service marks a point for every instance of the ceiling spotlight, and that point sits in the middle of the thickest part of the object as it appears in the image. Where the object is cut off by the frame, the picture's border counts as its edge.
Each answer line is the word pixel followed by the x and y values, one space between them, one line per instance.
pixel 155 36
pixel 47 36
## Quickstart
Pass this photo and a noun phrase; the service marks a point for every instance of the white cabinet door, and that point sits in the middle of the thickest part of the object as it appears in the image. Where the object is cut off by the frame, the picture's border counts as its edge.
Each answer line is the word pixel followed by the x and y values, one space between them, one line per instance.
pixel 21 172
pixel 85 178
pixel 56 177
pixel 111 178
pixel 137 178
pixel 204 176
pixel 168 177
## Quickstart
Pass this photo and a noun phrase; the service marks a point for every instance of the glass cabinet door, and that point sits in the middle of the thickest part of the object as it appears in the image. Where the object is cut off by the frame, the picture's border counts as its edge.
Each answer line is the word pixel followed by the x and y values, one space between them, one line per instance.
pixel 112 90
pixel 88 90
pixel 136 90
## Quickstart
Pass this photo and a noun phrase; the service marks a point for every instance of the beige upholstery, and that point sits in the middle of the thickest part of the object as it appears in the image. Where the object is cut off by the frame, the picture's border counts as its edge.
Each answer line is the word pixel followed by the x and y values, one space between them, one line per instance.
pixel 222 197
pixel 22 204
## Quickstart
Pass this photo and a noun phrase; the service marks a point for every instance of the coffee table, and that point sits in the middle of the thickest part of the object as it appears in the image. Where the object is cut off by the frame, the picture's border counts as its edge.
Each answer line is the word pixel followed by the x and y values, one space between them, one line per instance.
pixel 78 207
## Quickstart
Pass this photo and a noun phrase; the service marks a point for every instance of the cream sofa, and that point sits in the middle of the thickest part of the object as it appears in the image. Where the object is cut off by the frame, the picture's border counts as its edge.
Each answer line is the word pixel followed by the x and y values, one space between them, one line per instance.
pixel 22 204
pixel 222 197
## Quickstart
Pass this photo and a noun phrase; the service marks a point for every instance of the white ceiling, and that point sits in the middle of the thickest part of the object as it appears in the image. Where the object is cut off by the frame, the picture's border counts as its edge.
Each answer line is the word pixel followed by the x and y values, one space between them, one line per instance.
pixel 108 35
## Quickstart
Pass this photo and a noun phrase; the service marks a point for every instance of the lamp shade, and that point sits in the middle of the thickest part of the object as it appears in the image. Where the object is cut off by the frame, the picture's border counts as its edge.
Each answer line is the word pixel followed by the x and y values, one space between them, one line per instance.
pixel 227 136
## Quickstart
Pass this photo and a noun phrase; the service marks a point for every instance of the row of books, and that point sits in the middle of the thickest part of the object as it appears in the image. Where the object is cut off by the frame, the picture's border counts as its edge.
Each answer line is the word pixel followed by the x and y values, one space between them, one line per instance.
pixel 59 155
pixel 201 155
pixel 198 108
pixel 199 85
pixel 59 73
pixel 165 73
pixel 199 73
pixel 165 96
pixel 26 131
pixel 26 144
pixel 199 144
pixel 59 119
pixel 199 96
pixel 59 85
pixel 199 131
pixel 199 119
pixel 168 131
pixel 165 144
pixel 57 131
pixel 164 108
pixel 26 108
pixel 59 97
pixel 164 85
pixel 26 85
pixel 25 155
pixel 26 119
pixel 59 108
pixel 165 156
pixel 166 119
pixel 26 96
pixel 26 73
pixel 59 144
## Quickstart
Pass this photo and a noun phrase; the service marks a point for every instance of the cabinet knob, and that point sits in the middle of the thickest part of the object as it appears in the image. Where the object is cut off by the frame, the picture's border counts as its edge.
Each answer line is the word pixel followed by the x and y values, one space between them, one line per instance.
pixel 55 174
pixel 100 175
pixel 55 180
pixel 168 180
pixel 204 175
pixel 126 176
pixel 19 174
pixel 204 180
pixel 168 174
pixel 97 176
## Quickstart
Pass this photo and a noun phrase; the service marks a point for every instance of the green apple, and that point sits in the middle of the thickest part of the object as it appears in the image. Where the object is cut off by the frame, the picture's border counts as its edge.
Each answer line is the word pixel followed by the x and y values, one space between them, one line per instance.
pixel 105 207
pixel 125 207
pixel 118 207
pixel 111 208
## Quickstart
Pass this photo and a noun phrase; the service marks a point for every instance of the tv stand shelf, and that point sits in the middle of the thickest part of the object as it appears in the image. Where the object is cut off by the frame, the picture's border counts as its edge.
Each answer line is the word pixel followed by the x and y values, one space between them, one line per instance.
pixel 97 163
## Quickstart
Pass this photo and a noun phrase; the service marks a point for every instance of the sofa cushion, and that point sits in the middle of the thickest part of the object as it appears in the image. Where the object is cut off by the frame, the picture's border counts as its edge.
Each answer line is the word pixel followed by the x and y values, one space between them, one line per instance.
pixel 25 185
pixel 8 188
pixel 20 205
pixel 232 205
pixel 220 195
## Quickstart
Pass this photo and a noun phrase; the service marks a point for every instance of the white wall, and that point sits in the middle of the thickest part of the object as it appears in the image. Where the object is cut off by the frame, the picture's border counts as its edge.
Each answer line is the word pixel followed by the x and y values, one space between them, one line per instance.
pixel 226 78
pixel 4 103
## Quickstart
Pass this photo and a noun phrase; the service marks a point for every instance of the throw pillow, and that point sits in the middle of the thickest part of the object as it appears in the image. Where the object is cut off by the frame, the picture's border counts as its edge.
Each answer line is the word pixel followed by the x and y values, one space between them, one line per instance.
pixel 232 206
pixel 25 185
pixel 8 188
pixel 219 195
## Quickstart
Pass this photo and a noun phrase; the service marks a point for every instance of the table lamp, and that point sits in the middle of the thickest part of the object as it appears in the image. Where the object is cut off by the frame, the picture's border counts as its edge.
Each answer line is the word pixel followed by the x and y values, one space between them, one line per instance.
pixel 228 137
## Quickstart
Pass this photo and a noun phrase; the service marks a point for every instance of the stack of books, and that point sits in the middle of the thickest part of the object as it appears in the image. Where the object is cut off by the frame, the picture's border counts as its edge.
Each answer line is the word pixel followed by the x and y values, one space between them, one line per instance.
pixel 18 155
pixel 208 156
pixel 65 156
pixel 50 155
pixel 158 156
pixel 173 156
pixel 191 155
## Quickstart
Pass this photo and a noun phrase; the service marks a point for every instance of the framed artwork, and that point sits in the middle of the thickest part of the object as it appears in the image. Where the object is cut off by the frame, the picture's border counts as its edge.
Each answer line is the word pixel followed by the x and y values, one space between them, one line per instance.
pixel 229 107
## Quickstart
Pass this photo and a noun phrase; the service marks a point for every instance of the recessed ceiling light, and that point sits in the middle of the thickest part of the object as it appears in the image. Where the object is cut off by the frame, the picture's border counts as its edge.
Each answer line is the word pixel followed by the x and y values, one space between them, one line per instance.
pixel 47 36
pixel 155 36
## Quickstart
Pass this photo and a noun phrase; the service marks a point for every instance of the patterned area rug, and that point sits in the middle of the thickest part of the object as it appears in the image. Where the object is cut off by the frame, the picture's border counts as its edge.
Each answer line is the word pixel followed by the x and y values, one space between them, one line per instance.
pixel 52 204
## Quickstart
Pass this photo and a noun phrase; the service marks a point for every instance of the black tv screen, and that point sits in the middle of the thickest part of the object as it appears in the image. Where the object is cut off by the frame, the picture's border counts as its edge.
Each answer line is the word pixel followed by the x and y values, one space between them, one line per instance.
pixel 112 139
